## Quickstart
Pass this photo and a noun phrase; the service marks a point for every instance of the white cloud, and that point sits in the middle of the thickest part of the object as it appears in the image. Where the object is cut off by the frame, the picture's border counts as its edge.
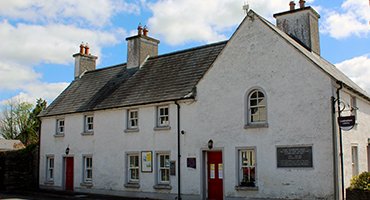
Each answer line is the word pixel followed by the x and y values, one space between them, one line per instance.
pixel 353 19
pixel 358 69
pixel 92 12
pixel 179 21
pixel 13 75
pixel 31 92
pixel 54 43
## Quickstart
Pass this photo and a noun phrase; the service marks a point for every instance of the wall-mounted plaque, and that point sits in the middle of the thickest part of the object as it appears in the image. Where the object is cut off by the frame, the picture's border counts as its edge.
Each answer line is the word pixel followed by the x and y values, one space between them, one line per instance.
pixel 191 163
pixel 146 161
pixel 173 168
pixel 299 156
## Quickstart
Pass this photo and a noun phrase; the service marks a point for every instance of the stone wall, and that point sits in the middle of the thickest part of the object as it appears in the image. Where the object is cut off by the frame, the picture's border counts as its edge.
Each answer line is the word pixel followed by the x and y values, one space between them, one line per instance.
pixel 19 169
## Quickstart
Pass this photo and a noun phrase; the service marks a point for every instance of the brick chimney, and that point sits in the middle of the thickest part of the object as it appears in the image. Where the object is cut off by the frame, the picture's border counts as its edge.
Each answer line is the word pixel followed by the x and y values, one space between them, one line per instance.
pixel 84 61
pixel 140 47
pixel 302 24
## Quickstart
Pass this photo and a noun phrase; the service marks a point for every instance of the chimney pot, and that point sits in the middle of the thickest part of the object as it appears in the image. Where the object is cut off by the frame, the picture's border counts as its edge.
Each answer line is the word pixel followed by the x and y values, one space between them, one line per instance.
pixel 82 46
pixel 87 49
pixel 292 5
pixel 301 3
pixel 145 31
pixel 139 30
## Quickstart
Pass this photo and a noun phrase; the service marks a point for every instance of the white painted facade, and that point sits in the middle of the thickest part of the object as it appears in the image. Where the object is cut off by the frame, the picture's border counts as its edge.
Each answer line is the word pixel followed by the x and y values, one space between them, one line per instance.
pixel 299 112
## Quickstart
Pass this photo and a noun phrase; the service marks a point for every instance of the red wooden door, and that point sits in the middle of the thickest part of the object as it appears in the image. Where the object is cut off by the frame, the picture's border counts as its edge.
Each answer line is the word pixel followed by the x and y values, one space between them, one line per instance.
pixel 215 175
pixel 69 173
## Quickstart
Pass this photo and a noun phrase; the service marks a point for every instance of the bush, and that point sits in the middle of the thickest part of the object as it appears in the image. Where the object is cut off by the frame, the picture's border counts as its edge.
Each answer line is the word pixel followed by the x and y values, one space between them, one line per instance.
pixel 361 182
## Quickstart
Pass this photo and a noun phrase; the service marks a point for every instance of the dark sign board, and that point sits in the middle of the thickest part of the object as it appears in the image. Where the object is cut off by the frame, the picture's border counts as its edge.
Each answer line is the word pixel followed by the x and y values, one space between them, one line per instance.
pixel 294 156
pixel 347 122
pixel 191 163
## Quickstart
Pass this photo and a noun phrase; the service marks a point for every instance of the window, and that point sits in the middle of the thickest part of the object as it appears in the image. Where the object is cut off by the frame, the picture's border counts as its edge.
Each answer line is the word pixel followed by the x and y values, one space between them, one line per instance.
pixel 133 119
pixel 256 112
pixel 50 168
pixel 60 127
pixel 354 161
pixel 133 168
pixel 163 117
pixel 89 123
pixel 247 168
pixel 163 168
pixel 87 167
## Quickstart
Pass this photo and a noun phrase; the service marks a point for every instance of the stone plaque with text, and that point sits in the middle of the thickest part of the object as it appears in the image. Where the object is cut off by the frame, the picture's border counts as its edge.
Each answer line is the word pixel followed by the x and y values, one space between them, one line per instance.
pixel 294 156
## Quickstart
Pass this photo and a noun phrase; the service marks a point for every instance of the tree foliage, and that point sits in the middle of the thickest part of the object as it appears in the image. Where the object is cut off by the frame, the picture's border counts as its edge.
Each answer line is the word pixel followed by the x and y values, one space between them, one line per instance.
pixel 19 121
pixel 361 182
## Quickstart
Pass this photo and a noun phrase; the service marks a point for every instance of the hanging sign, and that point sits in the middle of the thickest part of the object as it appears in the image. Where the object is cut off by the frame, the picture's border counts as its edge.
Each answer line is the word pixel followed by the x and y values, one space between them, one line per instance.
pixel 346 123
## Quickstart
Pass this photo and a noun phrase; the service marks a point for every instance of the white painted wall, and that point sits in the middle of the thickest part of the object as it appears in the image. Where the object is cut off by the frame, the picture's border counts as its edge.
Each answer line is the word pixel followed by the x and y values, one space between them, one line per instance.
pixel 299 113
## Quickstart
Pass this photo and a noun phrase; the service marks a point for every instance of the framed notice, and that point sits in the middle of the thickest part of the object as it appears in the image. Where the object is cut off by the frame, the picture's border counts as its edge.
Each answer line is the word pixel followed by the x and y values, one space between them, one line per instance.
pixel 146 161
pixel 298 157
pixel 172 168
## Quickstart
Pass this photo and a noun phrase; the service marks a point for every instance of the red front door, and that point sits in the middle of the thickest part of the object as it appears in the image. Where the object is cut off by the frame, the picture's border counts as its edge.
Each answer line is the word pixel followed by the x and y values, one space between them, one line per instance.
pixel 69 173
pixel 215 175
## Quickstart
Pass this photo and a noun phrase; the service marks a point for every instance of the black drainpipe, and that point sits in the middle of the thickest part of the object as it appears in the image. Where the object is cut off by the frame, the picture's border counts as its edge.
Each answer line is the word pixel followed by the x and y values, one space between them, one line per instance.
pixel 340 138
pixel 178 153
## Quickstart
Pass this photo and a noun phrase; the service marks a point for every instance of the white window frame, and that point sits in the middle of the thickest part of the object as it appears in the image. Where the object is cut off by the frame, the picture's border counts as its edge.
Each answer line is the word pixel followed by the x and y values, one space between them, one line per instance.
pixel 60 127
pixel 248 108
pixel 132 166
pixel 249 165
pixel 134 119
pixel 163 116
pixel 89 120
pixel 87 168
pixel 354 159
pixel 164 167
pixel 50 163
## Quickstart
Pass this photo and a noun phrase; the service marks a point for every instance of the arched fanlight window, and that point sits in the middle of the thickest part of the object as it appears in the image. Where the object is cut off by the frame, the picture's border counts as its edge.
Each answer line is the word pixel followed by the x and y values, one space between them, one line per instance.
pixel 257 108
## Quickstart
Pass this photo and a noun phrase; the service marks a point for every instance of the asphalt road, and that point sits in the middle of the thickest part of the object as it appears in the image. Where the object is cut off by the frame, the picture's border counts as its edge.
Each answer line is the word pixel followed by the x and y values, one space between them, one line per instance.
pixel 48 195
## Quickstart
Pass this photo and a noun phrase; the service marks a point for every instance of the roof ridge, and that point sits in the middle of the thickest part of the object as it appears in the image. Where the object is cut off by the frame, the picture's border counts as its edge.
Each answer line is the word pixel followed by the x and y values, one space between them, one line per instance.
pixel 190 49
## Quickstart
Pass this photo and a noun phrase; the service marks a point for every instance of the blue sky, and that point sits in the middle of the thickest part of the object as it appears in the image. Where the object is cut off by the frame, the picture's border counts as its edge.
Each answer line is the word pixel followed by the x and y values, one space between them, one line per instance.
pixel 38 38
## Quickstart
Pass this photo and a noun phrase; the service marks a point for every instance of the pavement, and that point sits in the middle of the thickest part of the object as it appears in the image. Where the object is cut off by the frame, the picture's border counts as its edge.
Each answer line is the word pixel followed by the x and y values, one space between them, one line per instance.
pixel 51 194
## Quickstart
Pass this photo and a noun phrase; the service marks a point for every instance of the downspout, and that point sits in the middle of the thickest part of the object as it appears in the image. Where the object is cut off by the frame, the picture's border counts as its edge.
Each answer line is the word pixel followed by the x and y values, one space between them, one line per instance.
pixel 178 153
pixel 340 138
pixel 38 159
pixel 335 147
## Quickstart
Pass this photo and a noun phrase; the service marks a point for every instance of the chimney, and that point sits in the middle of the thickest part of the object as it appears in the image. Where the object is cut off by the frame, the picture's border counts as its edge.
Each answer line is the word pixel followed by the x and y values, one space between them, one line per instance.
pixel 84 61
pixel 139 47
pixel 302 24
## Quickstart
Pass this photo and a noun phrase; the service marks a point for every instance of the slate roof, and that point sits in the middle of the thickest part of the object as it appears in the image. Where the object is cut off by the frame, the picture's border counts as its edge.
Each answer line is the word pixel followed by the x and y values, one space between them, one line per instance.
pixel 162 78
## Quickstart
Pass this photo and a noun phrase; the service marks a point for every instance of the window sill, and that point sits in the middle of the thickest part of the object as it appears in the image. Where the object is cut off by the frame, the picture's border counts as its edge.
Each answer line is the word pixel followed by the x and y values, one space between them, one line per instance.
pixel 162 187
pixel 246 188
pixel 59 135
pixel 49 182
pixel 88 133
pixel 162 128
pixel 87 184
pixel 131 130
pixel 132 185
pixel 259 125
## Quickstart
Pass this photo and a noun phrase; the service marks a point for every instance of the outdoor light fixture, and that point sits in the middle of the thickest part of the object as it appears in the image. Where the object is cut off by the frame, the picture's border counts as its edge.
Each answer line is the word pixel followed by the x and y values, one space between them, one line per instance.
pixel 67 150
pixel 368 140
pixel 210 144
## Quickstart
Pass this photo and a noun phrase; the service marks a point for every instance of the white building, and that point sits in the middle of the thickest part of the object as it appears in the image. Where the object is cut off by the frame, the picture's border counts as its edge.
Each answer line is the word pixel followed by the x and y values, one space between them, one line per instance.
pixel 251 117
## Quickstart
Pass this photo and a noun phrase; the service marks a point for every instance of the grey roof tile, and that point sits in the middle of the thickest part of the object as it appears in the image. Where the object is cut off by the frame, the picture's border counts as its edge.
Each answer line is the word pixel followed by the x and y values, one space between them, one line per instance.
pixel 162 78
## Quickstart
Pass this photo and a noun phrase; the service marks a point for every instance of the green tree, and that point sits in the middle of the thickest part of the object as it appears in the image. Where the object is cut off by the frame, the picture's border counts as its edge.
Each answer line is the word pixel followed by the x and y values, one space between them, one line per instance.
pixel 20 121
